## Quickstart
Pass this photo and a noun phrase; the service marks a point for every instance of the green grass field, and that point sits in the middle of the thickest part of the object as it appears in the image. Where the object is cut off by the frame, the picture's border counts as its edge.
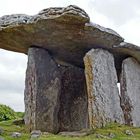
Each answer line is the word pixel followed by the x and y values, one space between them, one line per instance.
pixel 116 129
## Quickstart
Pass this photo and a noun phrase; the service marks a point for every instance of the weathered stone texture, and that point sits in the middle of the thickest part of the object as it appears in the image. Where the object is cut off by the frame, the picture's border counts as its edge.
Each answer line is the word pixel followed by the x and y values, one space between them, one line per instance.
pixel 130 91
pixel 65 31
pixel 103 94
pixel 42 91
pixel 73 114
pixel 55 95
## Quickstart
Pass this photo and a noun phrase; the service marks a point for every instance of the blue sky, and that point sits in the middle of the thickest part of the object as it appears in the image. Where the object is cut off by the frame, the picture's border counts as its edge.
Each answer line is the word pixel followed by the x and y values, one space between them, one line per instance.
pixel 121 15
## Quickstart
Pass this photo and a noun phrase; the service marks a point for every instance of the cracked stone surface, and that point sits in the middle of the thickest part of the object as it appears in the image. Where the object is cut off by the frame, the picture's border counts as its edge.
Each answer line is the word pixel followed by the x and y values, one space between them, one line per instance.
pixel 42 91
pixel 103 95
pixel 73 113
pixel 65 31
pixel 55 95
pixel 130 91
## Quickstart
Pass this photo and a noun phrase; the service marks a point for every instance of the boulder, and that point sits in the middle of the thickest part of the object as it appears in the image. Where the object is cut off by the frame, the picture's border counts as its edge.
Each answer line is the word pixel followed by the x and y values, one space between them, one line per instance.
pixel 16 135
pixel 73 113
pixel 103 94
pixel 42 91
pixel 130 91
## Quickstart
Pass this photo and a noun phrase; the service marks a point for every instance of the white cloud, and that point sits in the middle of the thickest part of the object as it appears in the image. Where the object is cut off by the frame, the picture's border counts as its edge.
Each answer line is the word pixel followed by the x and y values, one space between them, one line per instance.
pixel 131 31
pixel 119 11
pixel 12 76
pixel 15 101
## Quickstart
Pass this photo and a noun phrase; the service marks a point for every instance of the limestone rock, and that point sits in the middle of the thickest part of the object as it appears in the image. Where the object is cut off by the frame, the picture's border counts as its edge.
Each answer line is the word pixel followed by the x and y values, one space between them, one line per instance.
pixel 73 113
pixel 42 91
pixel 129 133
pixel 100 136
pixel 16 135
pixel 65 32
pixel 55 95
pixel 130 91
pixel 128 49
pixel 124 50
pixel 103 94
pixel 71 14
pixel 111 135
pixel 1 131
pixel 13 20
pixel 35 134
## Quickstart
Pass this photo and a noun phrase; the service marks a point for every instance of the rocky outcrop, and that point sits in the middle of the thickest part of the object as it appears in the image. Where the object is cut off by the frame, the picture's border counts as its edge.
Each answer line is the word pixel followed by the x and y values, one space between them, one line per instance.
pixel 42 91
pixel 130 91
pixel 73 114
pixel 103 94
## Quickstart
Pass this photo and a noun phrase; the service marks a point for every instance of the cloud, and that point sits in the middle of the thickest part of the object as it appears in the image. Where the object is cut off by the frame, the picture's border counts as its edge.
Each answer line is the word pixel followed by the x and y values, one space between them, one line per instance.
pixel 12 72
pixel 119 11
pixel 131 31
pixel 15 101
pixel 20 6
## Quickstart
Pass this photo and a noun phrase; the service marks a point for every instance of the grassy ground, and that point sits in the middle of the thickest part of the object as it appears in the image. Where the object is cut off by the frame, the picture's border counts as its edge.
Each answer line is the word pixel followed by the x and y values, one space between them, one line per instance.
pixel 116 129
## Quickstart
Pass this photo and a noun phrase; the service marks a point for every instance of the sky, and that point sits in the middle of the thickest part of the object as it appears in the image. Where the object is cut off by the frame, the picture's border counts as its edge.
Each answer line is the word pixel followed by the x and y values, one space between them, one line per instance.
pixel 122 16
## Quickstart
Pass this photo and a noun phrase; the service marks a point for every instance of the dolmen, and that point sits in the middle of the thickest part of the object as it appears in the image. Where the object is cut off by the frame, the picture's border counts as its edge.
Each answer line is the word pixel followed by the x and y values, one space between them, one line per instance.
pixel 74 67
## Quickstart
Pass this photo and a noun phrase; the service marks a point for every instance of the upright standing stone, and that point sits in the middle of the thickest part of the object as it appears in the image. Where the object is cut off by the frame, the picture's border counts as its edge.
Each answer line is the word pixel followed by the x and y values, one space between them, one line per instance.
pixel 42 91
pixel 130 91
pixel 103 94
pixel 73 114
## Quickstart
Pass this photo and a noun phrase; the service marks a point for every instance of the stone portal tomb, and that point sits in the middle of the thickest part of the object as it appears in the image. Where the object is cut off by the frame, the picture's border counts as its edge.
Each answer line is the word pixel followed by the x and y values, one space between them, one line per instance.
pixel 59 95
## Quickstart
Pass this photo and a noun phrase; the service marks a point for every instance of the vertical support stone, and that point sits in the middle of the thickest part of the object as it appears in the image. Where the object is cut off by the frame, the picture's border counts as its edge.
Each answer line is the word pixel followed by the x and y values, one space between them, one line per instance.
pixel 73 114
pixel 42 91
pixel 103 94
pixel 130 91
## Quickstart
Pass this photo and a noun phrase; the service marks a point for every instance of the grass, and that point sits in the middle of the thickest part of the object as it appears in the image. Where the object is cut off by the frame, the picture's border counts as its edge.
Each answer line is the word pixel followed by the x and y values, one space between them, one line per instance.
pixel 118 130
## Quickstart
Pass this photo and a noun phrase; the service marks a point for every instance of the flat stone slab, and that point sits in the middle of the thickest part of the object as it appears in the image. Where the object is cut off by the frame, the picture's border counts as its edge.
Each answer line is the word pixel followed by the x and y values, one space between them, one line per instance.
pixel 103 95
pixel 66 32
pixel 42 92
pixel 73 113
pixel 130 91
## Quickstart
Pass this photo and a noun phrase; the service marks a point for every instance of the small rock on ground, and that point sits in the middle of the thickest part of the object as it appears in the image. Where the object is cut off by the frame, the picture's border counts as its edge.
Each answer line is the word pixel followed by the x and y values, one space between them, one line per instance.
pixel 1 131
pixel 111 135
pixel 99 136
pixel 16 135
pixel 35 134
pixel 129 133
